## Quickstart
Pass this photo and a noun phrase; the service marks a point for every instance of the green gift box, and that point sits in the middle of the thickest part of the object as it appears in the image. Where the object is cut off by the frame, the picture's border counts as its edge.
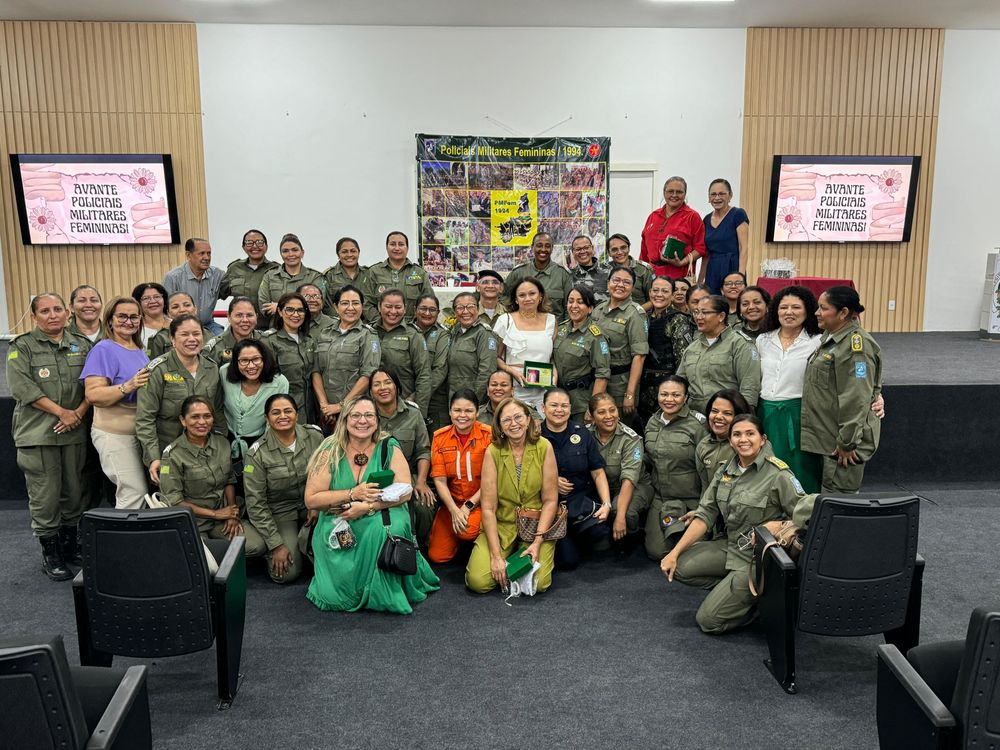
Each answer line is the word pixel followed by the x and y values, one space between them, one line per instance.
pixel 382 478
pixel 673 249
pixel 517 566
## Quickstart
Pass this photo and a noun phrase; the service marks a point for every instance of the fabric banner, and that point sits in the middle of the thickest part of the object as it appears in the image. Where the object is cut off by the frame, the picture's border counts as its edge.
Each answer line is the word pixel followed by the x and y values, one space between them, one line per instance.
pixel 482 200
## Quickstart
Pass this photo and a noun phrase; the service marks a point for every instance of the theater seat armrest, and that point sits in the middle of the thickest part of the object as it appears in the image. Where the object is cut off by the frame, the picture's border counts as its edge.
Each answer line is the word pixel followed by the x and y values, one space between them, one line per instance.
pixel 778 555
pixel 125 722
pixel 233 553
pixel 78 580
pixel 893 663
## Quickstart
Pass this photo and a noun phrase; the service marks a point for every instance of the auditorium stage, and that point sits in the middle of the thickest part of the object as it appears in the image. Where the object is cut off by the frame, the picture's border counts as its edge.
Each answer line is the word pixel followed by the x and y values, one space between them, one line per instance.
pixel 942 422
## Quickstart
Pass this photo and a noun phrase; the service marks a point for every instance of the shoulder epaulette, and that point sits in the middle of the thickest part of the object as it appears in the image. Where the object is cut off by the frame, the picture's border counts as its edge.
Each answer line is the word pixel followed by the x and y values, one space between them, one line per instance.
pixel 268 333
pixel 255 447
pixel 157 361
pixel 313 427
pixel 166 450
pixel 777 462
pixel 411 403
pixel 699 416
pixel 743 333
pixel 594 329
pixel 210 344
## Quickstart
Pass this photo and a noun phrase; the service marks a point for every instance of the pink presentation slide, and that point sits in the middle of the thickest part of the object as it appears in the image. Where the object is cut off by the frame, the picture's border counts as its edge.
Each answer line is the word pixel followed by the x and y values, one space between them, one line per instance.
pixel 96 203
pixel 841 202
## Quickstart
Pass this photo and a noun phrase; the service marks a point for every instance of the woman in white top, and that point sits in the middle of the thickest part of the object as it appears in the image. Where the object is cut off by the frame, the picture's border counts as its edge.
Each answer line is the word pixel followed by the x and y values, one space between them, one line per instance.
pixel 525 333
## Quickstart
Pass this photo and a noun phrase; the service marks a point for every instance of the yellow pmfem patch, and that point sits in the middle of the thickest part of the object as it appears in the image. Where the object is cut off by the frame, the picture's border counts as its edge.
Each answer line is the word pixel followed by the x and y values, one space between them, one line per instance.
pixel 856 342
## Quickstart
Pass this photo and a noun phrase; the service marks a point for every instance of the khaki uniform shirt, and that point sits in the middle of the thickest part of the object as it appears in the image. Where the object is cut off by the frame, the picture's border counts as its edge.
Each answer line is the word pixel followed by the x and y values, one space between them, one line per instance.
pixel 73 327
pixel 220 348
pixel 580 353
pixel 670 456
pixel 277 282
pixel 411 280
pixel 274 480
pixel 712 454
pixel 196 475
pixel 408 427
pixel 626 330
pixel 766 491
pixel 437 340
pixel 240 280
pixel 295 362
pixel 622 457
pixel 342 357
pixel 38 367
pixel 843 377
pixel 404 352
pixel 159 343
pixel 644 278
pixel 336 277
pixel 730 362
pixel 322 322
pixel 555 279
pixel 472 358
pixel 158 405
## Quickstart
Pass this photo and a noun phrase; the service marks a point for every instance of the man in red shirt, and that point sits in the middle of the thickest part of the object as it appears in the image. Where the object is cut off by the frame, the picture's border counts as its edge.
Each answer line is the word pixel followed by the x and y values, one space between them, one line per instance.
pixel 678 220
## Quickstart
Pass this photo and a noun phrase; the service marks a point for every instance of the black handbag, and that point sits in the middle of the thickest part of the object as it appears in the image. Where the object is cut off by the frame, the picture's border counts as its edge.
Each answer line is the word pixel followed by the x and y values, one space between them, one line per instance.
pixel 398 554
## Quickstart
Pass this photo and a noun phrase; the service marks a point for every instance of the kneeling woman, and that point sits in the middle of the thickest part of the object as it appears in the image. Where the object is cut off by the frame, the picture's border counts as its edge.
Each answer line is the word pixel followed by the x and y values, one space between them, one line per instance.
pixel 274 480
pixel 583 485
pixel 519 470
pixel 346 561
pixel 752 489
pixel 195 473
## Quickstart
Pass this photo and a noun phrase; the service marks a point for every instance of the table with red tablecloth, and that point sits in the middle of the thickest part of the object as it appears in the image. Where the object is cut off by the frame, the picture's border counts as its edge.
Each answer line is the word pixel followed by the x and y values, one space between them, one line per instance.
pixel 815 284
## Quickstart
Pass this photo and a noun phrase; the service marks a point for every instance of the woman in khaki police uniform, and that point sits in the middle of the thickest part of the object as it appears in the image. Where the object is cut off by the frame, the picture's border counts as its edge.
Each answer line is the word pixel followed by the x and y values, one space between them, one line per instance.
pixel 436 336
pixel 843 379
pixel 671 437
pixel 404 350
pixel 184 371
pixel 196 473
pixel 624 325
pixel 287 277
pixel 274 480
pixel 43 372
pixel 242 325
pixel 346 356
pixel 752 489
pixel 580 353
pixel 293 347
pixel 472 350
pixel 178 303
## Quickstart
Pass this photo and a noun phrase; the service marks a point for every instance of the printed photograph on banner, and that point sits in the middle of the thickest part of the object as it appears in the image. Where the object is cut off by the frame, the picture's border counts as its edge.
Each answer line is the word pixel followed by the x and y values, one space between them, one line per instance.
pixel 482 259
pixel 512 221
pixel 442 174
pixel 460 258
pixel 489 176
pixel 431 202
pixel 594 204
pixel 503 259
pixel 479 232
pixel 479 203
pixel 582 176
pixel 433 230
pixel 594 230
pixel 460 278
pixel 437 279
pixel 456 203
pixel 569 203
pixel 522 255
pixel 562 231
pixel 548 205
pixel 535 176
pixel 436 258
pixel 456 232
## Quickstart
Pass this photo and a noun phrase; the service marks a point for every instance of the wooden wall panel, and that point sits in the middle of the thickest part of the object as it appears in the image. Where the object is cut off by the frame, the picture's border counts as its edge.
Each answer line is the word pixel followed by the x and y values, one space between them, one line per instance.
pixel 98 88
pixel 847 92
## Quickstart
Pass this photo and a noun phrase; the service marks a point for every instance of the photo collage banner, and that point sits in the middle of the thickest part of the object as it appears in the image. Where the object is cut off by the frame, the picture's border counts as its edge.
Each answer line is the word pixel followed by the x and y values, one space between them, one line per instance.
pixel 482 200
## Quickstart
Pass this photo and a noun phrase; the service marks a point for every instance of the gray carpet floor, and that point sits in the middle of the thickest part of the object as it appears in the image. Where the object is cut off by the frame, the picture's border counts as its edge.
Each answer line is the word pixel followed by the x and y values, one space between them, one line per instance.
pixel 610 656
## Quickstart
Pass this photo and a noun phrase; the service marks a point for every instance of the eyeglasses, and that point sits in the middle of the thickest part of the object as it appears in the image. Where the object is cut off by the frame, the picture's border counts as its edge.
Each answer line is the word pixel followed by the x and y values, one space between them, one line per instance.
pixel 674 192
pixel 733 283
pixel 312 297
pixel 620 282
pixel 367 416
pixel 349 303
pixel 428 310
pixel 517 418
pixel 252 243
pixel 250 361
pixel 123 318
pixel 152 298
pixel 465 308
pixel 244 316
pixel 294 310
pixel 489 282
pixel 718 195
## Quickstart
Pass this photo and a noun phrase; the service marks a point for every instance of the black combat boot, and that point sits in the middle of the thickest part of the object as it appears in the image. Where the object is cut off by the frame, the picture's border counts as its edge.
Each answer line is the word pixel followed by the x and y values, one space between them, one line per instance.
pixel 69 545
pixel 52 561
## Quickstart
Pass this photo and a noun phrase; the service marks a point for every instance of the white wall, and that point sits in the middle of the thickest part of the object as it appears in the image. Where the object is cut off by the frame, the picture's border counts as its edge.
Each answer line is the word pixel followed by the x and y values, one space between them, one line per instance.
pixel 964 219
pixel 310 129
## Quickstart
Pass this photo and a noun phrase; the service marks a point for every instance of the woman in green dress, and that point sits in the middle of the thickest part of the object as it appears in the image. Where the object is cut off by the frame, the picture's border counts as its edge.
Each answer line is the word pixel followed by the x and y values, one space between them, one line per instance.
pixel 347 575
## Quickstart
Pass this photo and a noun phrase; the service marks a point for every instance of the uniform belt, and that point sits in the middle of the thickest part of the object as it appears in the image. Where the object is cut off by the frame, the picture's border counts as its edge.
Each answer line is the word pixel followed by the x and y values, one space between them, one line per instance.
pixel 572 385
pixel 619 369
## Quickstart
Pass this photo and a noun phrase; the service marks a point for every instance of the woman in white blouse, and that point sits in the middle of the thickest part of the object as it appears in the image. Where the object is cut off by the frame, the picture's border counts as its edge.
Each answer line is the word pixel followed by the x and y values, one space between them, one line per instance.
pixel 526 334
pixel 791 335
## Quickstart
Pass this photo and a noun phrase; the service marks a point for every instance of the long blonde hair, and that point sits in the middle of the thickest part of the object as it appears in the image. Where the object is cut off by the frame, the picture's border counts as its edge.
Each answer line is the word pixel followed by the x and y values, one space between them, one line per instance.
pixel 334 447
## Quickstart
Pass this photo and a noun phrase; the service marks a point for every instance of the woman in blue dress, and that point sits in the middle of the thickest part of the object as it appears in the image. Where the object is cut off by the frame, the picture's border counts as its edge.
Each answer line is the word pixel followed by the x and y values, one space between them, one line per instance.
pixel 347 575
pixel 726 231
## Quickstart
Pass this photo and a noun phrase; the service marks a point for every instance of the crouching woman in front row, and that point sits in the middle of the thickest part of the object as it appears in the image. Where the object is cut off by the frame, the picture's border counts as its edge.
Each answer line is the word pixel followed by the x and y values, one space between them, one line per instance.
pixel 753 488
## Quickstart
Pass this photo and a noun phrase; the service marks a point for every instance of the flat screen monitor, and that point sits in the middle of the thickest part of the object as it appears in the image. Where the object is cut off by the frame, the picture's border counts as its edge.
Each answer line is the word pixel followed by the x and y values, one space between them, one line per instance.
pixel 95 199
pixel 842 198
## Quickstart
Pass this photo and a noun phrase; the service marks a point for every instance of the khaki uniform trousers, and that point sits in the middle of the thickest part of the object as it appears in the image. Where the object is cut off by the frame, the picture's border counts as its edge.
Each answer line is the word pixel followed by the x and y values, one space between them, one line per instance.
pixel 52 475
pixel 729 604
pixel 288 527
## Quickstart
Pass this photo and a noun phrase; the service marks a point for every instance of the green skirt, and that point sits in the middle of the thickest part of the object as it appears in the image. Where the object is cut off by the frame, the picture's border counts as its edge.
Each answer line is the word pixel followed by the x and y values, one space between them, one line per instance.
pixel 783 426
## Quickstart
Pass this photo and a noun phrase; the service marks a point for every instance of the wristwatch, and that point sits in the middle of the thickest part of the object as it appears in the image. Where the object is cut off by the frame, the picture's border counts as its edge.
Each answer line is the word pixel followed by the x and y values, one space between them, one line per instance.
pixel 470 505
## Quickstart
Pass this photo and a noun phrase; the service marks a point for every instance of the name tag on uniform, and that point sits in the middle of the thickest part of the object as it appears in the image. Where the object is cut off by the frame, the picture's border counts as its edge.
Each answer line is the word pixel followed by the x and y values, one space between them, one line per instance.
pixel 170 377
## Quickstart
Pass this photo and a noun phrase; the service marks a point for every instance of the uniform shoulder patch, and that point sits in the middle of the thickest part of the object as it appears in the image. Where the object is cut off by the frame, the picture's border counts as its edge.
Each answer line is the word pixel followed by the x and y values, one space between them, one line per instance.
pixel 594 329
pixel 313 427
pixel 699 416
pixel 743 333
pixel 411 403
pixel 210 344
pixel 777 462
pixel 268 333
pixel 12 354
pixel 857 343
pixel 157 361
pixel 629 431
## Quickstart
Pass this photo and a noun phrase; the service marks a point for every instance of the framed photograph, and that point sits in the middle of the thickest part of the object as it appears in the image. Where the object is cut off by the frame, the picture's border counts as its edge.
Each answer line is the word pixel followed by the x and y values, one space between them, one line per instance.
pixel 538 374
